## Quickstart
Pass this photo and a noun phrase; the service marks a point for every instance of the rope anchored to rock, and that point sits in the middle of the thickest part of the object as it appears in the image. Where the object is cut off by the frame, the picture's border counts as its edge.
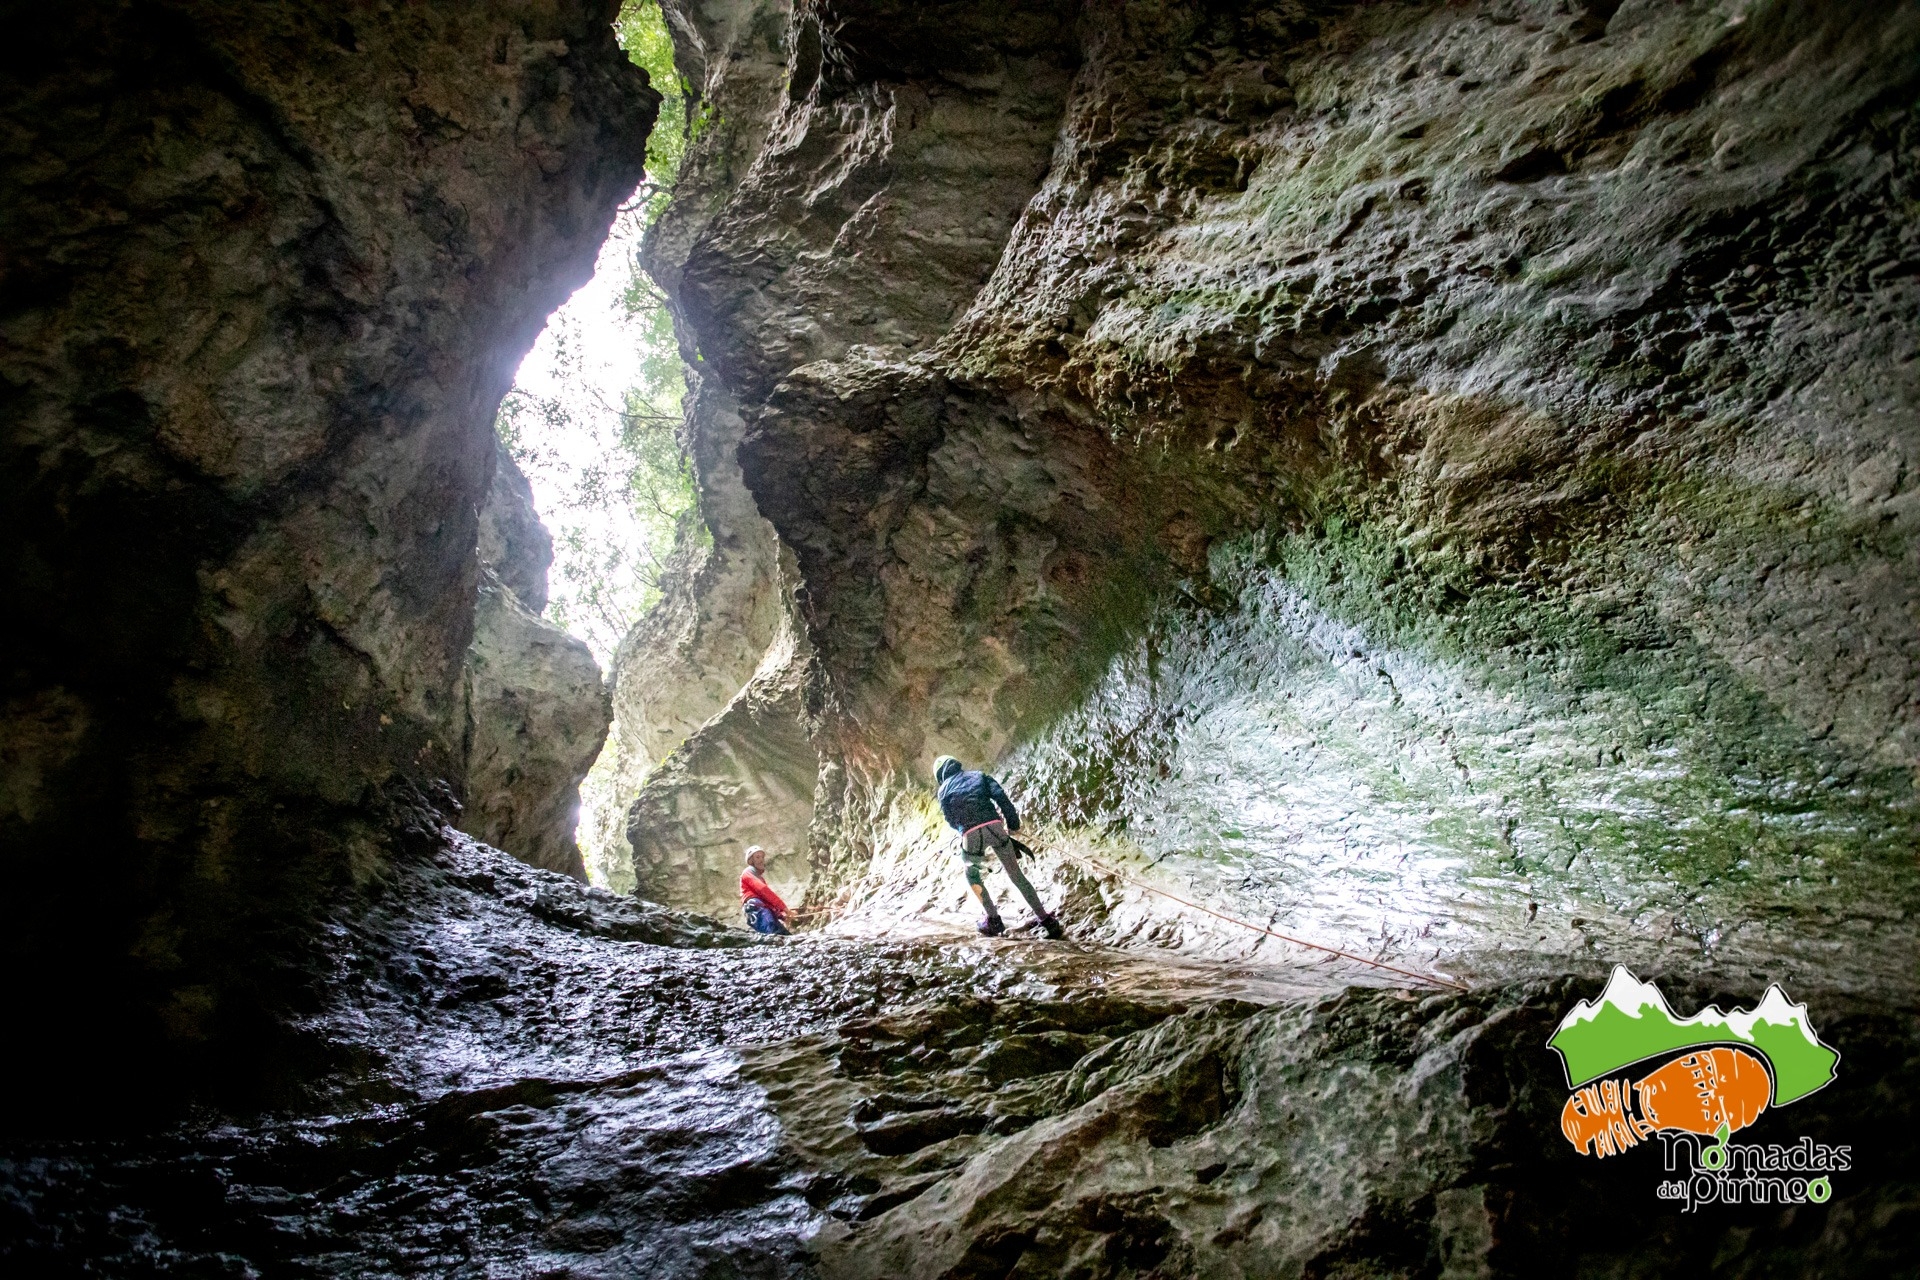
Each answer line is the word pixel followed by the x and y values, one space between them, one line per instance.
pixel 1248 924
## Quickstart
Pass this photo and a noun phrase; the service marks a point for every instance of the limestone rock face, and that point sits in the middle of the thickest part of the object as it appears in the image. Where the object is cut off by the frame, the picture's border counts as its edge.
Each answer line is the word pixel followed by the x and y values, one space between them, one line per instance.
pixel 686 659
pixel 537 714
pixel 513 542
pixel 269 269
pixel 1443 477
pixel 874 209
pixel 724 606
pixel 746 777
pixel 537 710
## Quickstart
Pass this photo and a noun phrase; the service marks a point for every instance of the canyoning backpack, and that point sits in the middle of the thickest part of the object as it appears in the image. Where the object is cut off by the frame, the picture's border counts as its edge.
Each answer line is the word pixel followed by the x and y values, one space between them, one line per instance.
pixel 971 797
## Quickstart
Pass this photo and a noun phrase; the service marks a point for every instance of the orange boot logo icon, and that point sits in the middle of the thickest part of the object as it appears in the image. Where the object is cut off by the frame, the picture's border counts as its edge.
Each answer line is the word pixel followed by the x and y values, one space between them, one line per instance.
pixel 1713 1074
pixel 1696 1093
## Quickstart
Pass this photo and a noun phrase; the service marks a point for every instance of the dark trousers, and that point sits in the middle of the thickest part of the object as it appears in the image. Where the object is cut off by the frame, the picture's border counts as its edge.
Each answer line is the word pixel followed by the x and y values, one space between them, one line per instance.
pixel 973 851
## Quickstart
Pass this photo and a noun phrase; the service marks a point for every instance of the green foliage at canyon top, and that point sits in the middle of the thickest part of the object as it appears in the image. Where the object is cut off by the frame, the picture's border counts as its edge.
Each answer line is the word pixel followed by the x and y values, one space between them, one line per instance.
pixel 626 487
pixel 642 29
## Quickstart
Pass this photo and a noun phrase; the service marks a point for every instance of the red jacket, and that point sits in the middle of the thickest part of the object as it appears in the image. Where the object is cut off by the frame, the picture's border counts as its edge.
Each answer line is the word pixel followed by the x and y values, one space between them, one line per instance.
pixel 752 886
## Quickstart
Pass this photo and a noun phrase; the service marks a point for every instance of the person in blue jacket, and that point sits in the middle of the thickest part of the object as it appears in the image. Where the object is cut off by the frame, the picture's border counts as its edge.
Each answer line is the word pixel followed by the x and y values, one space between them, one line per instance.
pixel 975 806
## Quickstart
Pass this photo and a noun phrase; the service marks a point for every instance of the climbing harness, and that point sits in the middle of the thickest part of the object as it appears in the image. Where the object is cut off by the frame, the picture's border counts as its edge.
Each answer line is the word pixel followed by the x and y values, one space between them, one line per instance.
pixel 1248 924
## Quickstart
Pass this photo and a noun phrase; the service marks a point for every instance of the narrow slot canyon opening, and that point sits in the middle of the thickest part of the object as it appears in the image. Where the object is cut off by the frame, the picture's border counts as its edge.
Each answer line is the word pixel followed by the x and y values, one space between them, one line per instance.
pixel 592 499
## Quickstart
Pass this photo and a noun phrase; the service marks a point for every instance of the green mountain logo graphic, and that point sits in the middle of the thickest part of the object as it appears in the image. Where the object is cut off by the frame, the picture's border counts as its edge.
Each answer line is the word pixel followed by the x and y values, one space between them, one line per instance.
pixel 1631 1021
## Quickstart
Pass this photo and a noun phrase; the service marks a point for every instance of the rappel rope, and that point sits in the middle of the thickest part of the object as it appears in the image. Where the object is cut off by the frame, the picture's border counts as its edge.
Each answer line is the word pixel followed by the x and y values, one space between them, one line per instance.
pixel 1248 924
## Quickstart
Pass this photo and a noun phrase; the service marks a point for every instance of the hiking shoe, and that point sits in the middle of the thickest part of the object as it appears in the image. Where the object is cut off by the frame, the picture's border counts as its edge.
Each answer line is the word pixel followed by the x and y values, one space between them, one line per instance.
pixel 991 927
pixel 1052 926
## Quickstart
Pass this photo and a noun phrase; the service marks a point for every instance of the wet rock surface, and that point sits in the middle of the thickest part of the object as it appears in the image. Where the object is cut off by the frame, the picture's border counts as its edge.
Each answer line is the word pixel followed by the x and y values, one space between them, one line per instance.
pixel 511 1070
pixel 533 1077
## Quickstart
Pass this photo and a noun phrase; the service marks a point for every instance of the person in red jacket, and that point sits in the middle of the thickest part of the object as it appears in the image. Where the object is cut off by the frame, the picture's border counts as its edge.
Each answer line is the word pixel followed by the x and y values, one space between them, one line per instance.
pixel 765 912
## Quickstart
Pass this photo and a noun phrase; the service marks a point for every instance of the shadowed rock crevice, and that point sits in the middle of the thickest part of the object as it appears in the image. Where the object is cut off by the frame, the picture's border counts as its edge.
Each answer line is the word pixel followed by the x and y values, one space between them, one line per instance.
pixel 268 274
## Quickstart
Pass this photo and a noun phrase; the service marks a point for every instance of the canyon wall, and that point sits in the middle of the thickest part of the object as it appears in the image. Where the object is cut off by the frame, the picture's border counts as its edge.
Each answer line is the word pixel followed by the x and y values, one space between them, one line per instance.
pixel 871 213
pixel 536 707
pixel 1439 476
pixel 268 271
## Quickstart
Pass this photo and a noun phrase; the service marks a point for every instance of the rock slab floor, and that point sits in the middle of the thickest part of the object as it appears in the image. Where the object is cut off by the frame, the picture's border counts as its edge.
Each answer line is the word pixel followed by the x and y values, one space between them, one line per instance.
pixel 539 1079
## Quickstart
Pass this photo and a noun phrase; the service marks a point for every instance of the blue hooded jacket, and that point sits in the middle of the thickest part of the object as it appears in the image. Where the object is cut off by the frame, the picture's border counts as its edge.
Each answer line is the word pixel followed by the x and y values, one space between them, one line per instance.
pixel 969 797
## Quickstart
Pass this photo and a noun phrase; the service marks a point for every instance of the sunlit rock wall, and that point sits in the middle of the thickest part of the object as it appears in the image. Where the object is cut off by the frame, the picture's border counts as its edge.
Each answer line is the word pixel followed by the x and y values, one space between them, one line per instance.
pixel 1440 476
pixel 724 600
pixel 746 777
pixel 268 271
